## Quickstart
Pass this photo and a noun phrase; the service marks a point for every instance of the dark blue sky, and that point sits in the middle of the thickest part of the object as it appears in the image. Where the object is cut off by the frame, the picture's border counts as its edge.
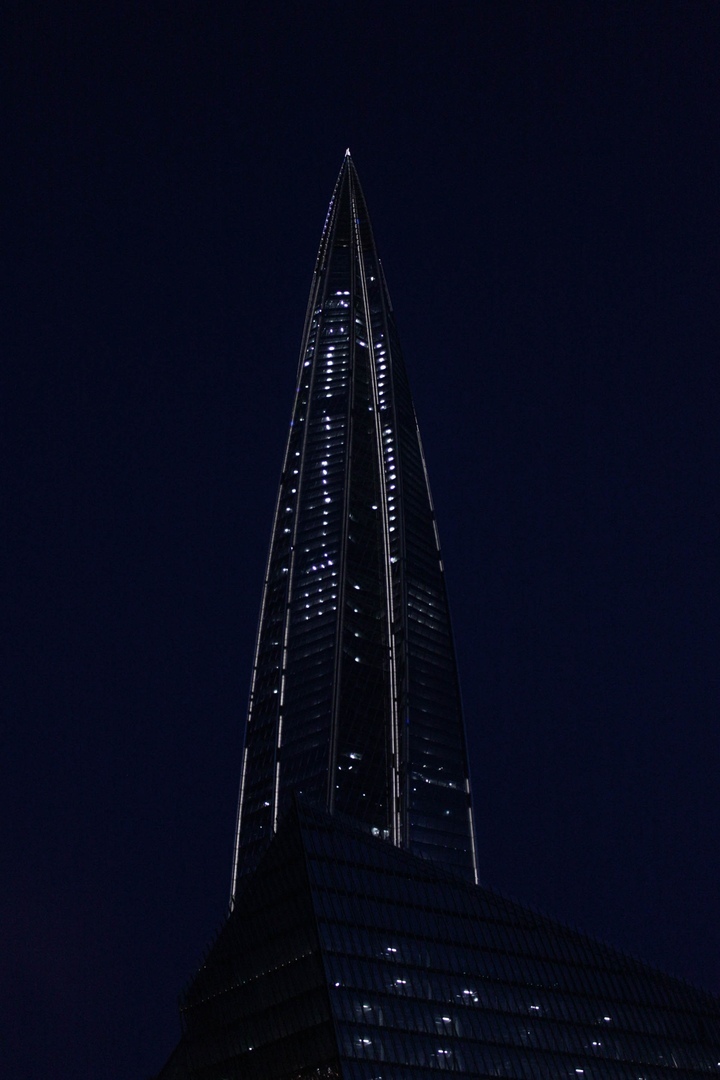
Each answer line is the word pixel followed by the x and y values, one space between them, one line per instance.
pixel 543 180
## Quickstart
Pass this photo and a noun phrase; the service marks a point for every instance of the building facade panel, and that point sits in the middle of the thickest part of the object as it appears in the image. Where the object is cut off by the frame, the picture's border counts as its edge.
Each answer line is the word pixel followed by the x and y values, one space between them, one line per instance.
pixel 428 972
pixel 346 953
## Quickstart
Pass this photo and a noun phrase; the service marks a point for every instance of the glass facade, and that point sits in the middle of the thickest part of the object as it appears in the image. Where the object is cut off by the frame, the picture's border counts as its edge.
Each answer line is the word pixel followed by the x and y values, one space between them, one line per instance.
pixel 346 957
pixel 359 946
pixel 355 701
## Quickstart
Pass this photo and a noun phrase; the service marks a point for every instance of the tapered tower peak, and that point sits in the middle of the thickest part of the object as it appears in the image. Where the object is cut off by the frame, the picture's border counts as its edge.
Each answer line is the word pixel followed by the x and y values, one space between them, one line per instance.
pixel 355 703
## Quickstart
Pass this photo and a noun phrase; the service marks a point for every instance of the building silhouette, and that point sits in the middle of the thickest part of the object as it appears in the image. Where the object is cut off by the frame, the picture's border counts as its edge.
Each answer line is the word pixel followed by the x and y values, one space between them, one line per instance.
pixel 359 944
pixel 355 702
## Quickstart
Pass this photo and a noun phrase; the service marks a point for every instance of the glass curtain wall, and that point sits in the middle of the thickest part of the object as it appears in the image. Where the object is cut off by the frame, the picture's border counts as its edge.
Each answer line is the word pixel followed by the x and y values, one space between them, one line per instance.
pixel 355 701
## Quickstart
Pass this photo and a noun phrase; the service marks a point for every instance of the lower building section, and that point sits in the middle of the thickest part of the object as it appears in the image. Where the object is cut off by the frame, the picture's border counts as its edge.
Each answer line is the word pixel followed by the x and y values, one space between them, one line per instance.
pixel 345 957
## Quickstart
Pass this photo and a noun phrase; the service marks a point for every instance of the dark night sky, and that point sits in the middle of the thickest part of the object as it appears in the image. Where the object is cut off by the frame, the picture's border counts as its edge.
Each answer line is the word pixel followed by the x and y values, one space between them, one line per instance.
pixel 543 180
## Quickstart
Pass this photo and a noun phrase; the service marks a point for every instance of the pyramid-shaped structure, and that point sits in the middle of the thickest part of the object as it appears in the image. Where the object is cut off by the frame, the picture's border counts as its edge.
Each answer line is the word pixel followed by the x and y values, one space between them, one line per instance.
pixel 345 957
pixel 355 698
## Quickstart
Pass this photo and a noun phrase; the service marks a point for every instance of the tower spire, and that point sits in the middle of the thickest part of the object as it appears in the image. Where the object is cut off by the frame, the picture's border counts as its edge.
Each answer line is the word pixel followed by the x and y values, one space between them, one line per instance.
pixel 355 702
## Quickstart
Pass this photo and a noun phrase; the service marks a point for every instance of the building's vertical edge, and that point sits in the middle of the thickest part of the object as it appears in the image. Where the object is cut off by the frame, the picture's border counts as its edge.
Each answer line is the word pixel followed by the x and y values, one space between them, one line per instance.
pixel 317 280
pixel 258 636
pixel 393 787
pixel 463 732
pixel 398 581
pixel 321 948
pixel 342 568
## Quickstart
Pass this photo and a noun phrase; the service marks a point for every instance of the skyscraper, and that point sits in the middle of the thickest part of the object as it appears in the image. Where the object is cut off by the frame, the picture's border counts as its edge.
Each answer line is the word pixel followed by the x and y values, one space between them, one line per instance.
pixel 359 944
pixel 355 702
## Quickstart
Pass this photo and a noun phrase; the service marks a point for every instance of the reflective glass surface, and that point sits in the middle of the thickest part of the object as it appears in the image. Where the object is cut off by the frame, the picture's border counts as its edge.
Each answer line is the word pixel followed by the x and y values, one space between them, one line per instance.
pixel 355 701
pixel 428 973
pixel 347 957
